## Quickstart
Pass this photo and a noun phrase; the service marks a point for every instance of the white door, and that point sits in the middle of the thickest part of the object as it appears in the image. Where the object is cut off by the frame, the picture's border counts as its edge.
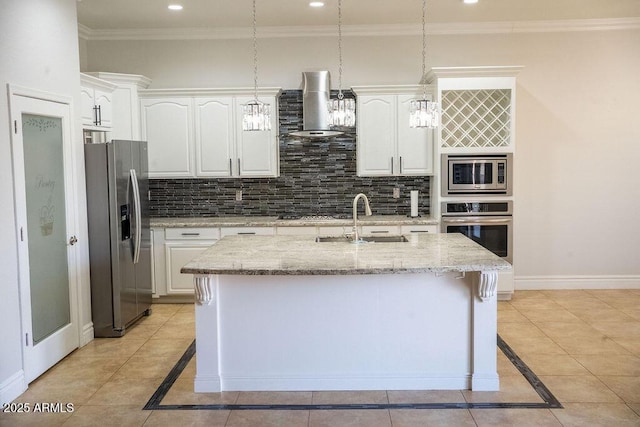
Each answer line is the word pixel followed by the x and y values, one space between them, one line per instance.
pixel 43 177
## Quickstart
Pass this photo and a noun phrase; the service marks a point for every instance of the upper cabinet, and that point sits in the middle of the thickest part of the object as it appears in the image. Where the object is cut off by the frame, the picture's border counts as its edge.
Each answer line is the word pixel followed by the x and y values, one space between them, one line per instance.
pixel 96 108
pixel 386 144
pixel 199 134
pixel 126 103
pixel 478 108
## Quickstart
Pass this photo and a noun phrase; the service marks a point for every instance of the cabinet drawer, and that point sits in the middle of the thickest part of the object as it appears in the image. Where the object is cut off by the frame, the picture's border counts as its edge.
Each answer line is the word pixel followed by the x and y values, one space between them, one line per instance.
pixel 425 228
pixel 380 229
pixel 288 231
pixel 192 233
pixel 232 231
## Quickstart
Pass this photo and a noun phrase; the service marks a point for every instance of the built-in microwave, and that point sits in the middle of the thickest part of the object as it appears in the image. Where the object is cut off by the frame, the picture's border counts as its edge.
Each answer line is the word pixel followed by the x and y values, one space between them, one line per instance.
pixel 477 174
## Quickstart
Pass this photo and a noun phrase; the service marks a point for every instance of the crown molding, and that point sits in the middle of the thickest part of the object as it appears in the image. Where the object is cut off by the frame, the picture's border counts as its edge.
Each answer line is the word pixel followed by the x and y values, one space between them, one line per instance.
pixel 454 28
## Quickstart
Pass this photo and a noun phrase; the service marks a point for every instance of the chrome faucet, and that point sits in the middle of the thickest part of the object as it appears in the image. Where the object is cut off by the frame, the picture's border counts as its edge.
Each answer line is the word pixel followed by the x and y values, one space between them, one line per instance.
pixel 355 214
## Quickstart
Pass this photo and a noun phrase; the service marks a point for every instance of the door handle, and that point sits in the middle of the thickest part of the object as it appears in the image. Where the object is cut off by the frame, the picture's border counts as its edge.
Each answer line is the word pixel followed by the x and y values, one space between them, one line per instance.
pixel 73 240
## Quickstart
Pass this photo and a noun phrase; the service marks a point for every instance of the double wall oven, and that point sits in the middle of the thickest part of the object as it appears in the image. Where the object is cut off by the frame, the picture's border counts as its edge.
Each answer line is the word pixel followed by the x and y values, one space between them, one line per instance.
pixel 477 190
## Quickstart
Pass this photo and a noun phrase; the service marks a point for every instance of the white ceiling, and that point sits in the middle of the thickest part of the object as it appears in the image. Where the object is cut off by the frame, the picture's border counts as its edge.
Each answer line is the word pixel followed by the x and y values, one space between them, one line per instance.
pixel 229 14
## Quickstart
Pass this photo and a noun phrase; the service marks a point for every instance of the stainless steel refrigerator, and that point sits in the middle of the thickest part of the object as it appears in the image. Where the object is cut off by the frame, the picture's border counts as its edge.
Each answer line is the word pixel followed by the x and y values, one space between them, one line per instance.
pixel 119 234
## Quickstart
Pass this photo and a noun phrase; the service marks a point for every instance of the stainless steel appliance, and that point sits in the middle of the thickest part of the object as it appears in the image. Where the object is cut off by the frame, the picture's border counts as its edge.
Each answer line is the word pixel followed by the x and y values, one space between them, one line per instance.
pixel 489 223
pixel 316 86
pixel 476 174
pixel 119 234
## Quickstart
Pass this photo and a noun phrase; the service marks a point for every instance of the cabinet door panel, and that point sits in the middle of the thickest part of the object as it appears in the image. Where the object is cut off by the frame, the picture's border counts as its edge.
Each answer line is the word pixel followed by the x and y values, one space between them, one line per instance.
pixel 167 127
pixel 214 136
pixel 104 100
pixel 376 135
pixel 415 145
pixel 86 106
pixel 177 255
pixel 257 151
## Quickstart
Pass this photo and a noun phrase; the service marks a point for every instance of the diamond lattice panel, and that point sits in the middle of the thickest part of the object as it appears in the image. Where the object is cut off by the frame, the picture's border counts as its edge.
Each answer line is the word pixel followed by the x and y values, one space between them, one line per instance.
pixel 476 118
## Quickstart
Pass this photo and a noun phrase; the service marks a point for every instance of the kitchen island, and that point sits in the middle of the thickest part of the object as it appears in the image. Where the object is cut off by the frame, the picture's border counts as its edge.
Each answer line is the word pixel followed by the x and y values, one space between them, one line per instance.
pixel 290 313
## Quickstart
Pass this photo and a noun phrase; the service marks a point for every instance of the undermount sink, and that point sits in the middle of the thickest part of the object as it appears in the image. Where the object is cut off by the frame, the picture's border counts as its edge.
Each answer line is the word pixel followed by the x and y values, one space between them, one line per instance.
pixel 364 239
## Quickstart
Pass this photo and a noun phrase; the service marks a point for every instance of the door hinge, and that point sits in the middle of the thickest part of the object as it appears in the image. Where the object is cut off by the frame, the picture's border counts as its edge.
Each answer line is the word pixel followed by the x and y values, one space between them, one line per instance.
pixel 26 339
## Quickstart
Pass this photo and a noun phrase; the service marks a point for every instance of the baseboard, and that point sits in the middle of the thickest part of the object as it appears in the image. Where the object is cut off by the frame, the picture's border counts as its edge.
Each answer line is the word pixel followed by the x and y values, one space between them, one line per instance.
pixel 577 282
pixel 87 334
pixel 13 387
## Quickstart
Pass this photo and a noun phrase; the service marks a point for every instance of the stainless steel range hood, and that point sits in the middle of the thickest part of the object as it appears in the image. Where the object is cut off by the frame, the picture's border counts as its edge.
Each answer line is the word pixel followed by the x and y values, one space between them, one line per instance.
pixel 316 86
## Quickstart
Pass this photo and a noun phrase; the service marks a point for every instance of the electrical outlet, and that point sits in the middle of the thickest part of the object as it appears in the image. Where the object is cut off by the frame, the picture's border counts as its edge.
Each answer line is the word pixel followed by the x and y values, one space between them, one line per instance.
pixel 396 193
pixel 238 195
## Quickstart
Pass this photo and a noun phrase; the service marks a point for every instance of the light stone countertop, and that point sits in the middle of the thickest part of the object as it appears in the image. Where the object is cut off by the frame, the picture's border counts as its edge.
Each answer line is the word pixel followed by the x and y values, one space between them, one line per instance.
pixel 274 221
pixel 302 255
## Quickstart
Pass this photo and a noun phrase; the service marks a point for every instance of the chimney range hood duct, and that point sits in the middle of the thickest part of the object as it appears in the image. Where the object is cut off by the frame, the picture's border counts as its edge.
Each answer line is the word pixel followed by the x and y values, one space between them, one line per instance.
pixel 316 86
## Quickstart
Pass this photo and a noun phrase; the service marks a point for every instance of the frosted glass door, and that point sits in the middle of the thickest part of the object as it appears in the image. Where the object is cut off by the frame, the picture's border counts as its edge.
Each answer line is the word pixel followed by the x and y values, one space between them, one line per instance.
pixel 46 224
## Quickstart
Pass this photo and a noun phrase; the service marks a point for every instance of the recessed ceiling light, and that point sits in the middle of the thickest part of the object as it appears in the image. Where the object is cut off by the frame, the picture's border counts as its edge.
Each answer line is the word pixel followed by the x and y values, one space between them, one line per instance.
pixel 175 7
pixel 316 3
pixel 470 1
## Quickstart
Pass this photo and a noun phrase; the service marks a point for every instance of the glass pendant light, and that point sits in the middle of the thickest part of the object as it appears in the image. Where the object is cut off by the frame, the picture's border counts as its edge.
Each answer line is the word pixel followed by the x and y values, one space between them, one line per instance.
pixel 256 115
pixel 342 111
pixel 422 112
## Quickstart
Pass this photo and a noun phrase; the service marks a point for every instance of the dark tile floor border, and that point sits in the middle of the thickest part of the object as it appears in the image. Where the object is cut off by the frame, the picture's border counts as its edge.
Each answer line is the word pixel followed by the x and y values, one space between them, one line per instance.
pixel 545 394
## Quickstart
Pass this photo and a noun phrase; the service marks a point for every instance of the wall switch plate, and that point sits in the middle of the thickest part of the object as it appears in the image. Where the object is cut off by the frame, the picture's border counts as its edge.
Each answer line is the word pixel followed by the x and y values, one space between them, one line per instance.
pixel 396 193
pixel 238 195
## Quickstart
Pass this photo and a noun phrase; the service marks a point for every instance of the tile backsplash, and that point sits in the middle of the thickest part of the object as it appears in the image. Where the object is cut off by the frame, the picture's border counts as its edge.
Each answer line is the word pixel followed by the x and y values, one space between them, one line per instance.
pixel 317 177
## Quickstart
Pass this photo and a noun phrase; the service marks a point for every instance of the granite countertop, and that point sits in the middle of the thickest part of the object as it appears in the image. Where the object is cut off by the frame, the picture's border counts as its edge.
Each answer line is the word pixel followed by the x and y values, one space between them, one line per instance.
pixel 302 255
pixel 274 221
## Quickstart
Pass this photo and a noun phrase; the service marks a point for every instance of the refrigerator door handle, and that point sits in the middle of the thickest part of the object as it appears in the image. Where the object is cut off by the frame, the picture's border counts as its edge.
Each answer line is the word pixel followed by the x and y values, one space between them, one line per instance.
pixel 136 207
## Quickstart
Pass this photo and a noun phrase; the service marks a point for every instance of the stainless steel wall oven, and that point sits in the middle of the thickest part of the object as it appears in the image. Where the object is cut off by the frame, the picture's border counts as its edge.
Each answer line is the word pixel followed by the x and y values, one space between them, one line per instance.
pixel 489 223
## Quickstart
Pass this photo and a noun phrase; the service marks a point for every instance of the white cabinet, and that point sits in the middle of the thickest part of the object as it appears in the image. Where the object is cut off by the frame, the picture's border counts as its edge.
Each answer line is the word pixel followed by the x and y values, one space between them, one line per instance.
pixel 419 228
pixel 233 231
pixel 96 106
pixel 372 230
pixel 198 133
pixel 386 144
pixel 178 254
pixel 167 128
pixel 126 103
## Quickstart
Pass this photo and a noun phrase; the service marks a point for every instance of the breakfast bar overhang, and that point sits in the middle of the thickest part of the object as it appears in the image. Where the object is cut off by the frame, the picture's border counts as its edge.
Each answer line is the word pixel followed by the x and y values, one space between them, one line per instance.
pixel 287 313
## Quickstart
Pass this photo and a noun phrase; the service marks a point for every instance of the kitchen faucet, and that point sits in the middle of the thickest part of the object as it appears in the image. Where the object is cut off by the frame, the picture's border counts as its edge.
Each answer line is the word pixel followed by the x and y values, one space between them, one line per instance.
pixel 355 213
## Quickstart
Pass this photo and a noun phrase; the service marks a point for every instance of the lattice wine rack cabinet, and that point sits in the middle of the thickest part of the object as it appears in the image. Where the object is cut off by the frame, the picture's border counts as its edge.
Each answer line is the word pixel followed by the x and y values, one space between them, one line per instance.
pixel 476 118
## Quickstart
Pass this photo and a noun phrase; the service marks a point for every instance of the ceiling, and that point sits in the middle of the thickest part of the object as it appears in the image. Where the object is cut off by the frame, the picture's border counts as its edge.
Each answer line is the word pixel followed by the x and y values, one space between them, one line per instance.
pixel 229 14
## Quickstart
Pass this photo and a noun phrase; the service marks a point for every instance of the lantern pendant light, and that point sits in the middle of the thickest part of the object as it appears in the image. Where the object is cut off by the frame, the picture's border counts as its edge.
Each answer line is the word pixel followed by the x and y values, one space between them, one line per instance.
pixel 256 115
pixel 342 111
pixel 422 112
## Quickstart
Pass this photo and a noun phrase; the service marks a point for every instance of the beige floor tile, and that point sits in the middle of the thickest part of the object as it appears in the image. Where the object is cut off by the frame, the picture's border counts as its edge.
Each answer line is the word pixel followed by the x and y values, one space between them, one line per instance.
pixel 631 344
pixel 164 348
pixel 597 415
pixel 40 419
pixel 182 317
pixel 187 308
pixel 194 418
pixel 181 393
pixel 518 330
pixel 109 347
pixel 587 303
pixel 611 364
pixel 512 389
pixel 165 308
pixel 72 368
pixel 549 315
pixel 602 314
pixel 178 330
pixel 349 418
pixel 76 392
pixel 586 345
pixel 635 407
pixel 579 389
pixel 628 388
pixel 566 294
pixel 514 417
pixel 505 367
pixel 349 397
pixel 156 318
pixel 142 331
pixel 274 397
pixel 524 295
pixel 511 316
pixel 116 416
pixel 425 396
pixel 554 364
pixel 536 303
pixel 146 367
pixel 431 417
pixel 505 306
pixel 632 312
pixel 270 418
pixel 567 329
pixel 125 391
pixel 628 329
pixel 538 345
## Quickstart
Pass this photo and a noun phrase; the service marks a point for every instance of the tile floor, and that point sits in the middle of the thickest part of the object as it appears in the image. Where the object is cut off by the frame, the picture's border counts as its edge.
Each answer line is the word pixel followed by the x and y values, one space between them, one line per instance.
pixel 583 345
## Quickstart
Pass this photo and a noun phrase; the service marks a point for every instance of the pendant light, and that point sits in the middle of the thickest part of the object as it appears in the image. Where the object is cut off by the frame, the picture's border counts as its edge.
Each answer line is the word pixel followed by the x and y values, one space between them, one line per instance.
pixel 256 115
pixel 342 111
pixel 422 112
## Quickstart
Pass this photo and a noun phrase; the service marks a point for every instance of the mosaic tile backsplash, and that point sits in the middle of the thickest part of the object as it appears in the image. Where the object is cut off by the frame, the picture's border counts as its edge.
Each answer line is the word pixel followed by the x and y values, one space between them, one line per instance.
pixel 317 177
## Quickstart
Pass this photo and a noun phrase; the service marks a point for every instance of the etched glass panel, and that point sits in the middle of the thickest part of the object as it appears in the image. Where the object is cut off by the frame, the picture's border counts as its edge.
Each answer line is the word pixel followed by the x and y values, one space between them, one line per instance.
pixel 46 224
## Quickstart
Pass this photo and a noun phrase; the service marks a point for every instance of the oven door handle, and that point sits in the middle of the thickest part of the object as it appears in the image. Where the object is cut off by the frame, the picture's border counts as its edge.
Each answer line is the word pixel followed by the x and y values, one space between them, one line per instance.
pixel 478 220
